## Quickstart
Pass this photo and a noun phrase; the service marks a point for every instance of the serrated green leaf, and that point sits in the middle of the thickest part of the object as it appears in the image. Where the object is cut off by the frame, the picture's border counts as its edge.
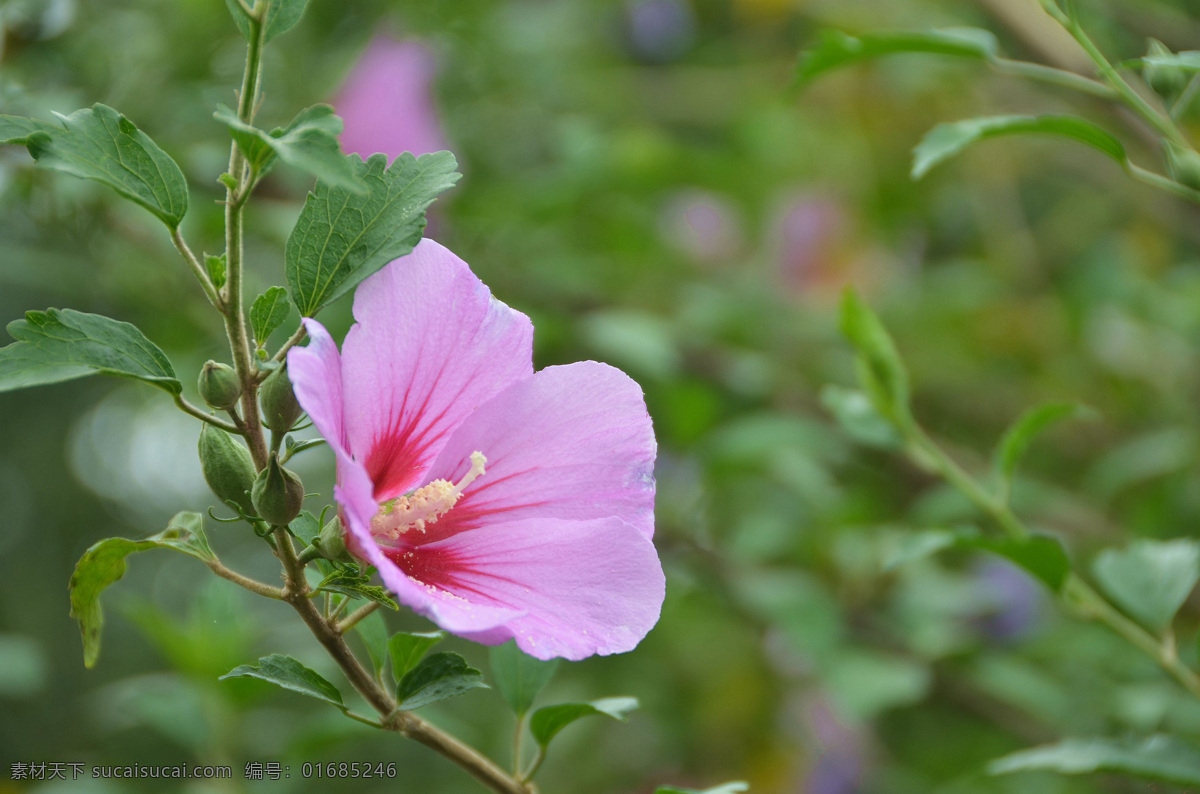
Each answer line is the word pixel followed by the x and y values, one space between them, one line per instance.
pixel 281 17
pixel 216 267
pixel 519 676
pixel 407 648
pixel 357 587
pixel 547 721
pixel 437 677
pixel 857 416
pixel 104 563
pixel 17 129
pixel 1150 579
pixel 1016 440
pixel 309 142
pixel 341 238
pixel 58 345
pixel 100 144
pixel 880 368
pixel 947 140
pixel 836 49
pixel 268 312
pixel 286 672
pixel 1159 757
pixel 734 787
pixel 373 631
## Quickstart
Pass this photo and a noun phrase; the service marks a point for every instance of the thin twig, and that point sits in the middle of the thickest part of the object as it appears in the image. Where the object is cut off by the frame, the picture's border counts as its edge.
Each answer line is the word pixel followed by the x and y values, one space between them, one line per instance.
pixel 200 414
pixel 295 339
pixel 252 585
pixel 198 269
pixel 355 617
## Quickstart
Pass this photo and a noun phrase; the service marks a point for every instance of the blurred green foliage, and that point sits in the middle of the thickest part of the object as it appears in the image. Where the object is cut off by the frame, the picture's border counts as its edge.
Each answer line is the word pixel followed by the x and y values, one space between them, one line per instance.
pixel 640 183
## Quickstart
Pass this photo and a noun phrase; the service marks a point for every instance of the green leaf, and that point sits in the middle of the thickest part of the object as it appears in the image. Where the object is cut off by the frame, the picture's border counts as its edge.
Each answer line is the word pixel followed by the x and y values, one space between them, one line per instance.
pixel 879 366
pixel 341 238
pixel 268 312
pixel 856 415
pixel 947 140
pixel 1158 757
pixel 216 267
pixel 836 49
pixel 547 721
pixel 734 787
pixel 58 345
pixel 100 144
pixel 437 677
pixel 16 129
pixel 519 676
pixel 309 143
pixel 282 17
pixel 357 586
pixel 286 672
pixel 1188 61
pixel 1150 579
pixel 1043 556
pixel 373 631
pixel 104 563
pixel 305 527
pixel 1017 439
pixel 406 649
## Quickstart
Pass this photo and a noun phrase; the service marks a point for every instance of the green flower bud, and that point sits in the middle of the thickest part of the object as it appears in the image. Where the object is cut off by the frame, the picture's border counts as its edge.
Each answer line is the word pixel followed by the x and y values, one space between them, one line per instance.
pixel 1167 81
pixel 280 408
pixel 219 385
pixel 332 541
pixel 277 494
pixel 1184 165
pixel 227 466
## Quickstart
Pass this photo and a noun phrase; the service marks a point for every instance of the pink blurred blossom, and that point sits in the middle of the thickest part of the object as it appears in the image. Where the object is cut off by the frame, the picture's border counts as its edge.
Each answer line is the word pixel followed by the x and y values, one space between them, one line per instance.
pixel 387 101
pixel 498 502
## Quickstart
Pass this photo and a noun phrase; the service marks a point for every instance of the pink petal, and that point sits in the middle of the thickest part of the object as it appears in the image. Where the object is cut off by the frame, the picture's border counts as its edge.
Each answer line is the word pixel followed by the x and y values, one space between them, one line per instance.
pixel 354 493
pixel 387 101
pixel 584 587
pixel 571 443
pixel 316 375
pixel 430 346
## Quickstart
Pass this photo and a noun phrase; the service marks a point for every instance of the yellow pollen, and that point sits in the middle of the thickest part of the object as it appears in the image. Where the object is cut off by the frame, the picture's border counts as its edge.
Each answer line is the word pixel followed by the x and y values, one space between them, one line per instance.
pixel 425 505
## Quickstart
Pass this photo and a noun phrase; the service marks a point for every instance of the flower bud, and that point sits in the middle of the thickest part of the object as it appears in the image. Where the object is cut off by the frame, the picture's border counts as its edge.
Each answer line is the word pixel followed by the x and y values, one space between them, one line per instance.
pixel 227 466
pixel 1167 81
pixel 277 494
pixel 279 404
pixel 219 385
pixel 1184 166
pixel 332 541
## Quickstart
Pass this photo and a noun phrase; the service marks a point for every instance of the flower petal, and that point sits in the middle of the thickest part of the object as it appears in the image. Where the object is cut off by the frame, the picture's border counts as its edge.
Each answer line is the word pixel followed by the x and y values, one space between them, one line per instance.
pixel 354 493
pixel 571 443
pixel 430 346
pixel 579 587
pixel 316 375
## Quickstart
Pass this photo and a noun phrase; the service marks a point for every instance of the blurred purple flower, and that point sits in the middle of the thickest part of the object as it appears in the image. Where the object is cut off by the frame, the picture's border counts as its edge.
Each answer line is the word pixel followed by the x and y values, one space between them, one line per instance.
pixel 387 101
pixel 807 231
pixel 702 225
pixel 1012 601
pixel 840 752
pixel 660 30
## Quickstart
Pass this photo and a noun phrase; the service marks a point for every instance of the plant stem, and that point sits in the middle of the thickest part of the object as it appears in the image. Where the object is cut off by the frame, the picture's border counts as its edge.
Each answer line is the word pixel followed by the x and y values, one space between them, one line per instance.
pixel 198 269
pixel 235 320
pixel 1163 124
pixel 295 339
pixel 1162 183
pixel 1076 595
pixel 354 617
pixel 199 413
pixel 252 585
pixel 1053 76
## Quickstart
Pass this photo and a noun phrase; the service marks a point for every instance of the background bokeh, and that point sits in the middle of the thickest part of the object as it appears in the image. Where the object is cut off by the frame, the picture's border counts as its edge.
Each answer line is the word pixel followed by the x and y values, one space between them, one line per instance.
pixel 640 182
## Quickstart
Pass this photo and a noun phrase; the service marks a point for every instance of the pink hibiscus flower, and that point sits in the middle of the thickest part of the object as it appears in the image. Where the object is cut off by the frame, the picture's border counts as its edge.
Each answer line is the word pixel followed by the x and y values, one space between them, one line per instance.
pixel 387 101
pixel 498 502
